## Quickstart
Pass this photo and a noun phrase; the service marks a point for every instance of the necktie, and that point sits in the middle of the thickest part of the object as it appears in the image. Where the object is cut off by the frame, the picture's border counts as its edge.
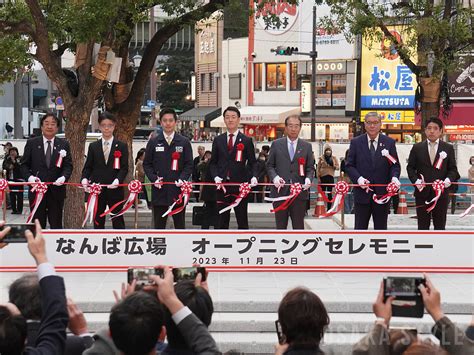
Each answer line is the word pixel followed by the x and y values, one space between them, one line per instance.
pixel 432 152
pixel 168 140
pixel 292 150
pixel 230 144
pixel 48 154
pixel 106 152
pixel 372 151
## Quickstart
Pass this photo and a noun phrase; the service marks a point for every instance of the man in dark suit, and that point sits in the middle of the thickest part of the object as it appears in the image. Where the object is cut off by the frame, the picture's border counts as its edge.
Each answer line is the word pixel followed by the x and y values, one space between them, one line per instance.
pixel 233 157
pixel 432 160
pixel 107 163
pixel 48 159
pixel 51 336
pixel 366 164
pixel 168 158
pixel 283 166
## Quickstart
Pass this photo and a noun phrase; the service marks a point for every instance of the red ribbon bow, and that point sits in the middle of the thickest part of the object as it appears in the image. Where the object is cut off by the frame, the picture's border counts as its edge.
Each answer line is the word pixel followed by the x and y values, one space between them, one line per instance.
pixel 134 187
pixel 186 190
pixel 3 187
pixel 295 190
pixel 438 187
pixel 341 188
pixel 392 190
pixel 40 188
pixel 91 207
pixel 244 190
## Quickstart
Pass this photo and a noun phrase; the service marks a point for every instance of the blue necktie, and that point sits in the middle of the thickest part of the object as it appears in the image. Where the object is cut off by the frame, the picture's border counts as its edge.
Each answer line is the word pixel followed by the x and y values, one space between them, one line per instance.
pixel 292 150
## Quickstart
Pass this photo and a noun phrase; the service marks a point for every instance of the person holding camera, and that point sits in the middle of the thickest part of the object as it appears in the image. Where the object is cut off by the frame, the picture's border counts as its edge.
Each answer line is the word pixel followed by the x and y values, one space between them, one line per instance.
pixel 51 336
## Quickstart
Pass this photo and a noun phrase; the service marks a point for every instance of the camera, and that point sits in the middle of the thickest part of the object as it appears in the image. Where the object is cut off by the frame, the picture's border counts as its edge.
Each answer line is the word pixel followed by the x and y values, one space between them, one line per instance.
pixel 408 301
pixel 17 233
pixel 142 275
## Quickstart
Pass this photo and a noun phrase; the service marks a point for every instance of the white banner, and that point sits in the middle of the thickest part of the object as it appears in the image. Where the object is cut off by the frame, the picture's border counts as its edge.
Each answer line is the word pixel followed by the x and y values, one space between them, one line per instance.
pixel 340 251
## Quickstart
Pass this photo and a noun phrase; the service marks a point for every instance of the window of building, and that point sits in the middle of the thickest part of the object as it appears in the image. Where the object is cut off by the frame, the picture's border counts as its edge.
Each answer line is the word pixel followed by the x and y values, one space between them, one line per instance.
pixel 295 84
pixel 211 81
pixel 234 86
pixel 203 82
pixel 257 77
pixel 276 76
pixel 331 91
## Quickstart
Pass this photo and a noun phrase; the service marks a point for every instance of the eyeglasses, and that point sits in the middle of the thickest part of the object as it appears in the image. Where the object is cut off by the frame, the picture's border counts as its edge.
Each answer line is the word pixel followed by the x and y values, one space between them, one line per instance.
pixel 372 123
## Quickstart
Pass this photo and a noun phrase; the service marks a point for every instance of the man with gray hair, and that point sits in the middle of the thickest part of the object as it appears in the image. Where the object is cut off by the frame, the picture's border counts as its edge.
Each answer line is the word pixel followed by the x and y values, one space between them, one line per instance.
pixel 369 164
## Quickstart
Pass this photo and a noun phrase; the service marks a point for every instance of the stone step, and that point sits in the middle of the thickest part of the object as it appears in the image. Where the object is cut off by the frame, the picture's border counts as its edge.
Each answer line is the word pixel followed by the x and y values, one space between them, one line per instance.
pixel 265 322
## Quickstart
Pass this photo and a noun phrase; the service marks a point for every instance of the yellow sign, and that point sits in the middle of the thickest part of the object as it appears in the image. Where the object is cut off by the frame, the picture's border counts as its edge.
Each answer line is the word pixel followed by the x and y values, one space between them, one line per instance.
pixel 393 116
pixel 386 83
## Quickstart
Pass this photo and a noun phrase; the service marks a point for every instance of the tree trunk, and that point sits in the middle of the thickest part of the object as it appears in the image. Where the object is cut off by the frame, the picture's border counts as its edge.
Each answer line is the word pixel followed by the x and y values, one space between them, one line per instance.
pixel 126 124
pixel 430 104
pixel 76 128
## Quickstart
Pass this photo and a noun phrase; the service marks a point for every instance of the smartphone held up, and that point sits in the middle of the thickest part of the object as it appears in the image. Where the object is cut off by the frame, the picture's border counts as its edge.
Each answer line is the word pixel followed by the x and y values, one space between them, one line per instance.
pixel 17 232
pixel 142 275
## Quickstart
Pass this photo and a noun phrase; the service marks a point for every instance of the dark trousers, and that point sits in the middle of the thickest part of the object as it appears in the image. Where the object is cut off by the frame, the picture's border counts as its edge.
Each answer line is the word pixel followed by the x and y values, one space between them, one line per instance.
pixel 108 198
pixel 296 211
pixel 50 208
pixel 241 214
pixel 160 222
pixel 210 215
pixel 395 202
pixel 16 201
pixel 327 179
pixel 363 212
pixel 438 214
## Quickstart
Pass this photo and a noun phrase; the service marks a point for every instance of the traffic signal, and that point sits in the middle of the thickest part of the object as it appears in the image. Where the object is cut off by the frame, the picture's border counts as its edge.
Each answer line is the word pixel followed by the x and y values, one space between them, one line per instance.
pixel 281 50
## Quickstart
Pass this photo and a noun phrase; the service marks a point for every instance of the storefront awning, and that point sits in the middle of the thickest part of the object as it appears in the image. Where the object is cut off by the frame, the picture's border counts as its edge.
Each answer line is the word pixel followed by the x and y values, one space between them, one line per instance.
pixel 201 114
pixel 462 113
pixel 261 115
pixel 328 119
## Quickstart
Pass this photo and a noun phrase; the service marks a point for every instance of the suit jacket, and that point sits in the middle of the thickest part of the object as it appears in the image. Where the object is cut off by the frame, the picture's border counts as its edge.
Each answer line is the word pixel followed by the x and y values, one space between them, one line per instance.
pixel 374 343
pixel 33 163
pixel 451 338
pixel 75 345
pixel 51 337
pixel 98 171
pixel 224 164
pixel 419 163
pixel 359 163
pixel 157 163
pixel 279 163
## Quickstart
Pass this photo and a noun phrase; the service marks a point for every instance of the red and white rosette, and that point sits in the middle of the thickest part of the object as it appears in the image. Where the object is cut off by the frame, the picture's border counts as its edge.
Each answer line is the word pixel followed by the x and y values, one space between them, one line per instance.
pixel 3 187
pixel 40 188
pixel 117 155
pixel 238 155
pixel 438 187
pixel 134 188
pixel 387 155
pixel 392 190
pixel 59 162
pixel 186 190
pixel 341 189
pixel 91 207
pixel 295 190
pixel 301 163
pixel 244 190
pixel 174 161
pixel 442 156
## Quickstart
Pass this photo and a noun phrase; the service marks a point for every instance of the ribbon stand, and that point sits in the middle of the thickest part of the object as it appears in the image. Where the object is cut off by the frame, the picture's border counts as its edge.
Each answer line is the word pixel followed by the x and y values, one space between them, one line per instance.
pixel 136 211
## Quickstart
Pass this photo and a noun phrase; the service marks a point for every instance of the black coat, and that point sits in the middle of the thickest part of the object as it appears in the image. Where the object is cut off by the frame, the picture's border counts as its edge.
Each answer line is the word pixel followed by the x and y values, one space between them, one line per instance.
pixel 33 163
pixel 157 163
pixel 224 164
pixel 208 193
pixel 97 171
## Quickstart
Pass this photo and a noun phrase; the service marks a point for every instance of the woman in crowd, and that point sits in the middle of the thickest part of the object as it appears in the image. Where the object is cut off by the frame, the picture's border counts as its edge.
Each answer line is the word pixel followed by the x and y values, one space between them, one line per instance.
pixel 11 166
pixel 327 166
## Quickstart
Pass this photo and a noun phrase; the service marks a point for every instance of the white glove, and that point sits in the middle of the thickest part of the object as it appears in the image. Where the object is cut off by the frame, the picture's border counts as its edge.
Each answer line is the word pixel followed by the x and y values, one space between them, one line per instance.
pixel 33 179
pixel 253 182
pixel 158 182
pixel 447 183
pixel 218 181
pixel 85 184
pixel 113 185
pixel 179 183
pixel 278 182
pixel 420 184
pixel 60 181
pixel 363 182
pixel 396 181
pixel 307 184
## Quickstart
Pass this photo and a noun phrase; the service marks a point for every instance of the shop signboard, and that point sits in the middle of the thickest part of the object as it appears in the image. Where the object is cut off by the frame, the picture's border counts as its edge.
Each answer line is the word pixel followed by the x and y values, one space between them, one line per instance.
pixel 385 81
pixel 393 116
pixel 461 82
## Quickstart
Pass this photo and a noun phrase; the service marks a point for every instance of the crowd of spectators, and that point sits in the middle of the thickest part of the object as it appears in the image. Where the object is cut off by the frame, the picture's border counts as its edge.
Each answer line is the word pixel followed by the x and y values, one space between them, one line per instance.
pixel 173 318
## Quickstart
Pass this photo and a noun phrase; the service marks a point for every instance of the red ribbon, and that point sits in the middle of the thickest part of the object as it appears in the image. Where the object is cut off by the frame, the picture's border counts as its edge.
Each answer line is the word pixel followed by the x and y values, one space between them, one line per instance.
pixel 295 190
pixel 240 149
pixel 301 162
pixel 244 190
pixel 117 155
pixel 3 187
pixel 40 188
pixel 186 189
pixel 91 207
pixel 438 187
pixel 134 187
pixel 174 162
pixel 392 190
pixel 341 189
